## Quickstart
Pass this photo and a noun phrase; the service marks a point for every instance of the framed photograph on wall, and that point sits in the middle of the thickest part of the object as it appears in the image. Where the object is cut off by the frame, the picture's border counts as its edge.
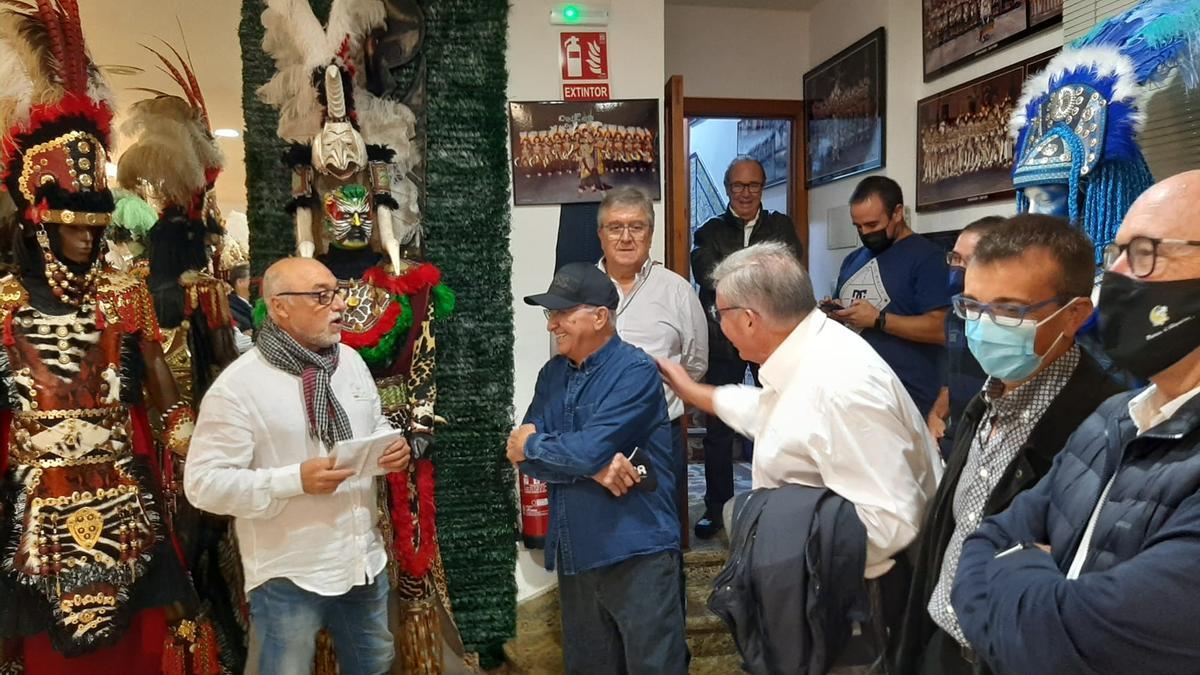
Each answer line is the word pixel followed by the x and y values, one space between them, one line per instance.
pixel 769 141
pixel 957 32
pixel 567 152
pixel 964 150
pixel 1044 12
pixel 845 105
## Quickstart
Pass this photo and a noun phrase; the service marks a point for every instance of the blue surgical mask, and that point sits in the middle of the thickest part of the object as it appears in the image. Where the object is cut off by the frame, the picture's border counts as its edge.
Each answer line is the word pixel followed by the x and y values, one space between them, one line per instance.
pixel 956 280
pixel 1007 352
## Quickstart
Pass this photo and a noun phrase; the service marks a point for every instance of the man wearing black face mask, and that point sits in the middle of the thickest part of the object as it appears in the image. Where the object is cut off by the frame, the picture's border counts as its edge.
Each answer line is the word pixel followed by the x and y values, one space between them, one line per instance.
pixel 1093 570
pixel 893 290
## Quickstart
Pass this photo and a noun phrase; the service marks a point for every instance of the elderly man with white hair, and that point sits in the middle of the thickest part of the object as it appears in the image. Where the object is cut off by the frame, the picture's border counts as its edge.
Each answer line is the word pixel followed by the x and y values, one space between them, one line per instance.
pixel 830 413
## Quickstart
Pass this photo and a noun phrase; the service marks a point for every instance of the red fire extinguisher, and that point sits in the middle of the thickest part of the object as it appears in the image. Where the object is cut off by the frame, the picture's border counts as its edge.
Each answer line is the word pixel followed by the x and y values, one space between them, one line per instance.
pixel 535 511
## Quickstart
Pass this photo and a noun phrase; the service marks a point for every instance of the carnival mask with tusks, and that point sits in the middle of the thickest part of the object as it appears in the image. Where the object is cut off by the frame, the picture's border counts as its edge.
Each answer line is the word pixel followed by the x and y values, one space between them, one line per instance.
pixel 339 150
pixel 348 217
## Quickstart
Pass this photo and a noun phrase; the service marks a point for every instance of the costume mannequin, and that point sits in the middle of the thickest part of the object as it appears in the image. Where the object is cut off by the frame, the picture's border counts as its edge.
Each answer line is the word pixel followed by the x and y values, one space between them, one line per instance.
pixel 91 580
pixel 173 162
pixel 356 210
pixel 1077 122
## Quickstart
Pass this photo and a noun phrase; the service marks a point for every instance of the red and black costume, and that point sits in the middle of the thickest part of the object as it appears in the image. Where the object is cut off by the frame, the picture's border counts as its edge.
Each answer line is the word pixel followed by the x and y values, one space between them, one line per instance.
pixel 90 576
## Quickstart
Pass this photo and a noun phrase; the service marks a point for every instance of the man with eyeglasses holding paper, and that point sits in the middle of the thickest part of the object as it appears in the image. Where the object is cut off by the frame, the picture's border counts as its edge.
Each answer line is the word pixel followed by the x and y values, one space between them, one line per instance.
pixel 1025 295
pixel 308 533
pixel 1093 569
pixel 658 310
pixel 745 222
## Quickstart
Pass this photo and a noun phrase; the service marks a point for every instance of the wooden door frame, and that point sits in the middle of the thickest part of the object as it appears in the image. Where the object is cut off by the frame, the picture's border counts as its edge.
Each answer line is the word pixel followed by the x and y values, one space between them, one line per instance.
pixel 678 246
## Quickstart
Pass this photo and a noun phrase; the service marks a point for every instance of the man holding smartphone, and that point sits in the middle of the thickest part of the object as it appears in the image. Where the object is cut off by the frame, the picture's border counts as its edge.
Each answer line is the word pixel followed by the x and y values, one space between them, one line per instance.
pixel 597 431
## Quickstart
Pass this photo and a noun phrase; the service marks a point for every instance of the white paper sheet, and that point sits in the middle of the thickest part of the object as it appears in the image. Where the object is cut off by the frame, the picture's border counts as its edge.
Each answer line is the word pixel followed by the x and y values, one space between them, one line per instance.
pixel 362 454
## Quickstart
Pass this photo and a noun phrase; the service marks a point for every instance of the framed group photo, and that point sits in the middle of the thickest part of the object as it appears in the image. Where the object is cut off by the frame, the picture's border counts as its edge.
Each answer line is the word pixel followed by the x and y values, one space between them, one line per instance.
pixel 964 148
pixel 957 32
pixel 845 105
pixel 567 152
pixel 770 142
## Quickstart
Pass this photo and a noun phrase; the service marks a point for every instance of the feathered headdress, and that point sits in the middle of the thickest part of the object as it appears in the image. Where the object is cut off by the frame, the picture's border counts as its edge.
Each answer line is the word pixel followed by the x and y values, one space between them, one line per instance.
pixel 55 111
pixel 300 90
pixel 302 48
pixel 1077 121
pixel 174 151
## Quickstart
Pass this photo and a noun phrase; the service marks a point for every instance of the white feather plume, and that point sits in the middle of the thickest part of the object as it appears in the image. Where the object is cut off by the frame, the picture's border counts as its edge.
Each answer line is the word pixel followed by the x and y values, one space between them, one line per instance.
pixel 1105 61
pixel 299 45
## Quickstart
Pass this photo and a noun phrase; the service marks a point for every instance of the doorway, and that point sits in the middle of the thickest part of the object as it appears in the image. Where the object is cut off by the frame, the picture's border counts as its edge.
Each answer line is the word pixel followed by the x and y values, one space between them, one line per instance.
pixel 701 136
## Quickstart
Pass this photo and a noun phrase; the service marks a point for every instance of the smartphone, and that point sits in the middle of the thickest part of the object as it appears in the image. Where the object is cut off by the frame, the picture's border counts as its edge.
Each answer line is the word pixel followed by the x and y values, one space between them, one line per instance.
pixel 831 306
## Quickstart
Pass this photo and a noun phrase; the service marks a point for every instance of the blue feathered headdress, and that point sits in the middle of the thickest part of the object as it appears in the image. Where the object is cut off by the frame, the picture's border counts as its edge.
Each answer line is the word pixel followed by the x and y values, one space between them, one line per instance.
pixel 1077 121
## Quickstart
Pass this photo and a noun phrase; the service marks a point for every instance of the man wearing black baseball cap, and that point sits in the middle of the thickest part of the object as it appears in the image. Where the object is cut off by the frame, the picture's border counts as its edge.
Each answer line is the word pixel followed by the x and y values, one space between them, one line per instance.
pixel 597 431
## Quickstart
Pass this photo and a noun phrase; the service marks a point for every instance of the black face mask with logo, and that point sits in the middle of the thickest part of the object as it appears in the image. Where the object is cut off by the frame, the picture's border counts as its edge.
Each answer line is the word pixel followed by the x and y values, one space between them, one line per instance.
pixel 876 242
pixel 1148 326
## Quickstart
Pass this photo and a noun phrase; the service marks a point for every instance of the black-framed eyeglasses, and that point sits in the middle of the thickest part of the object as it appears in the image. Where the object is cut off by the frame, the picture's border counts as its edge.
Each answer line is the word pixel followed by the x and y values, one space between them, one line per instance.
pixel 1001 313
pixel 953 259
pixel 753 188
pixel 715 312
pixel 324 298
pixel 1141 253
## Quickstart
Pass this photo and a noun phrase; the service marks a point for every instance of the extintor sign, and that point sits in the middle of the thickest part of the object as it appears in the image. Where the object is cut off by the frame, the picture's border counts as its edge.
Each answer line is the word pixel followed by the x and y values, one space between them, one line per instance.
pixel 583 56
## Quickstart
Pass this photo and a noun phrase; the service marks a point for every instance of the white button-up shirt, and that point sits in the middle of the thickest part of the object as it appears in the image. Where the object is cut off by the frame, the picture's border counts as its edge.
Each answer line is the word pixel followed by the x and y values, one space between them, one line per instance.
pixel 244 461
pixel 832 414
pixel 662 315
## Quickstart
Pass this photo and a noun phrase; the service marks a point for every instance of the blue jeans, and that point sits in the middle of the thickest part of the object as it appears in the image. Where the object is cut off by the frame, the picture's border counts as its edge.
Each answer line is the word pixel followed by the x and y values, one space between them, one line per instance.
pixel 286 619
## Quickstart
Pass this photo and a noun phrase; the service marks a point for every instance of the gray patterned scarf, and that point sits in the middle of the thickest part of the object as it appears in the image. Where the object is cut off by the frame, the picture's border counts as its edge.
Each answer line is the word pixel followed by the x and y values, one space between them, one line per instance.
pixel 326 418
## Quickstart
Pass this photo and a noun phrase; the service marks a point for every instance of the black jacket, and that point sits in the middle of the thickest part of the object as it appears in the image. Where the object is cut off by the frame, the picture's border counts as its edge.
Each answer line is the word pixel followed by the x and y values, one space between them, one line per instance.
pixel 243 312
pixel 1087 388
pixel 794 580
pixel 714 241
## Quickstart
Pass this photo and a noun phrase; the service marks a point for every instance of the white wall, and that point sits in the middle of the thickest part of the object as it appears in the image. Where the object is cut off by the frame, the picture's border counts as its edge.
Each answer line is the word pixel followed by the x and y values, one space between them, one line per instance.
pixel 635 59
pixel 728 52
pixel 715 141
pixel 836 24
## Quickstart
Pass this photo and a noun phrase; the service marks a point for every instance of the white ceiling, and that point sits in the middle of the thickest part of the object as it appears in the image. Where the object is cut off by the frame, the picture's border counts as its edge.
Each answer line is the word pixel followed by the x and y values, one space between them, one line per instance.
pixel 750 4
pixel 113 29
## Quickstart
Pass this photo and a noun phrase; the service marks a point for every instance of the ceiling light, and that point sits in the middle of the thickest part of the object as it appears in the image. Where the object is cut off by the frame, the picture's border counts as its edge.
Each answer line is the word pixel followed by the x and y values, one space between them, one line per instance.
pixel 227 133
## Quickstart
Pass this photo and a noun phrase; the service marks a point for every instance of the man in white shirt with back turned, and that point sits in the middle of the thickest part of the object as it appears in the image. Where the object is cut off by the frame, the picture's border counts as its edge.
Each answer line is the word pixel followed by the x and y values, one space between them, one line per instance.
pixel 830 413
pixel 311 551
pixel 659 311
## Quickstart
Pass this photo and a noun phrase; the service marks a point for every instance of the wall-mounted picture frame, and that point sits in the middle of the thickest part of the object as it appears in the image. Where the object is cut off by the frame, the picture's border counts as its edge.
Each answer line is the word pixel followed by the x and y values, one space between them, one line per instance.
pixel 964 149
pixel 845 101
pixel 769 141
pixel 957 32
pixel 568 152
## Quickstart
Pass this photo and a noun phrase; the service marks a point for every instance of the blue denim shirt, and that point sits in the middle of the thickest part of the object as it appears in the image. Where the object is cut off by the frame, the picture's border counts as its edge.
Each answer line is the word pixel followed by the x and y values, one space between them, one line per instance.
pixel 612 402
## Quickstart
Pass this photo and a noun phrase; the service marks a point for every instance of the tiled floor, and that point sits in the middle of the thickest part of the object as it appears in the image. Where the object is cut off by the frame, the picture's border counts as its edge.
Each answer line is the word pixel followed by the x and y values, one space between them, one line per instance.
pixel 537 650
pixel 741 483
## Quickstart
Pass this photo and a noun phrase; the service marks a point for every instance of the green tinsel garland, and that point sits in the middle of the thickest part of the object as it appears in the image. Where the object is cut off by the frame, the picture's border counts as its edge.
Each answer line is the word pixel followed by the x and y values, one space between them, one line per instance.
pixel 380 354
pixel 466 219
pixel 467 223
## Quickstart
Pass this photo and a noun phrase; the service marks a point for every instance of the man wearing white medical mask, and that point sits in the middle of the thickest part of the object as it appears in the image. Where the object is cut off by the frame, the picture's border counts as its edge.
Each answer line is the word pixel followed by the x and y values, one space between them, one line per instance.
pixel 1025 295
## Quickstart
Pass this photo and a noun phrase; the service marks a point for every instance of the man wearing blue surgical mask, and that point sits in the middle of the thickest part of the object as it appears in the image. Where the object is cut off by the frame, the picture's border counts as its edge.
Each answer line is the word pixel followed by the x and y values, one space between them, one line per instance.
pixel 1026 293
pixel 962 378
